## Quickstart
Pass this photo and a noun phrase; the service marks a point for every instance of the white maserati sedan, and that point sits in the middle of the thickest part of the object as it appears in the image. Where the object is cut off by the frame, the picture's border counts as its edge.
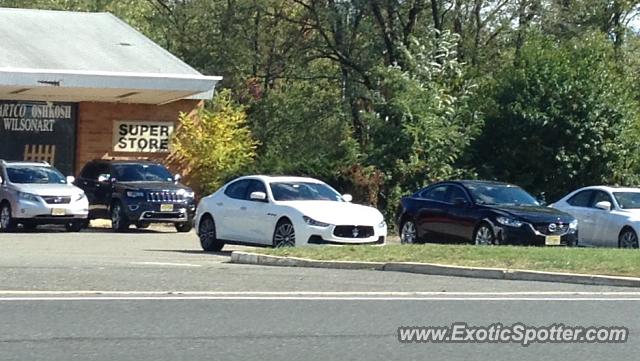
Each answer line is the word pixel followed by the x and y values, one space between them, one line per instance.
pixel 284 212
pixel 607 216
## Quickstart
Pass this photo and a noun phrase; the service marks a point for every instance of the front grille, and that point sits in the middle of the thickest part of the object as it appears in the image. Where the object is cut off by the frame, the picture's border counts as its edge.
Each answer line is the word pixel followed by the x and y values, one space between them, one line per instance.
pixel 560 228
pixel 164 196
pixel 56 200
pixel 353 231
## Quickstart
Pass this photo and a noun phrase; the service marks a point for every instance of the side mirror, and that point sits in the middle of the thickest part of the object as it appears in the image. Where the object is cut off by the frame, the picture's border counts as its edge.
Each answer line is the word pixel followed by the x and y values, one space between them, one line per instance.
pixel 71 179
pixel 460 202
pixel 347 197
pixel 258 196
pixel 104 178
pixel 177 178
pixel 604 205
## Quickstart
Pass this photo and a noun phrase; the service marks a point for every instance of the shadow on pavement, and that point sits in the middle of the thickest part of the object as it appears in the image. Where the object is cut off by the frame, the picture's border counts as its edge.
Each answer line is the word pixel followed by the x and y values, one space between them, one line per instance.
pixel 187 251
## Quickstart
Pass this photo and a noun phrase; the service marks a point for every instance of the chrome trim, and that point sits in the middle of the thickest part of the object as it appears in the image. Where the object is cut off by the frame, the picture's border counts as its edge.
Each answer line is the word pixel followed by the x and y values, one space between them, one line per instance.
pixel 181 211
pixel 535 231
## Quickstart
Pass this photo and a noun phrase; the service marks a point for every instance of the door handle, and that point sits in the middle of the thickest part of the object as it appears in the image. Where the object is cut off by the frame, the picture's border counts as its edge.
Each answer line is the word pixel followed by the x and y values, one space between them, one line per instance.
pixel 219 204
pixel 243 208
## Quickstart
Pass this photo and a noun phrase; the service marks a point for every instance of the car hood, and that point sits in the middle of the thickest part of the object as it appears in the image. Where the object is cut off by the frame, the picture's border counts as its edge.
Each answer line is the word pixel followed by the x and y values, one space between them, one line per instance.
pixel 152 186
pixel 49 189
pixel 534 214
pixel 341 213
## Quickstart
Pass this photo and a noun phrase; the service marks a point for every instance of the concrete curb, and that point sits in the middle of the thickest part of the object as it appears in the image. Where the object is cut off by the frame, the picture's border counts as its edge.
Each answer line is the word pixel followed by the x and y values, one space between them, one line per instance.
pixel 438 270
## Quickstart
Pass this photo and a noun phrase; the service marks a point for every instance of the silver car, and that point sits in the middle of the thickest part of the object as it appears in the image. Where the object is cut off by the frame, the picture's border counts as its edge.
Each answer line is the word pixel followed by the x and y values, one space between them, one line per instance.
pixel 34 193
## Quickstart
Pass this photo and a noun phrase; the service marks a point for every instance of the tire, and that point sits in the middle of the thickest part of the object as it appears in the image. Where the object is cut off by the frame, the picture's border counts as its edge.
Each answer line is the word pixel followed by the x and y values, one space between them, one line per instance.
pixel 143 225
pixel 119 221
pixel 483 235
pixel 7 222
pixel 628 238
pixel 184 227
pixel 284 235
pixel 408 232
pixel 207 235
pixel 74 226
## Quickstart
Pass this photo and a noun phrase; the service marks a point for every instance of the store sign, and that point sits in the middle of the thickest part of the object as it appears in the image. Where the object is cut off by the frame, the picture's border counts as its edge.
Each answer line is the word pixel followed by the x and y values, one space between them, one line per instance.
pixel 142 137
pixel 39 131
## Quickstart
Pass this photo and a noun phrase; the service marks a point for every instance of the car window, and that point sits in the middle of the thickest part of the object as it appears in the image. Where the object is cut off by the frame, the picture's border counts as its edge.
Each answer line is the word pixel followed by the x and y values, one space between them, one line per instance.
pixel 141 173
pixel 303 191
pixel 600 196
pixel 456 193
pixel 35 174
pixel 255 186
pixel 628 200
pixel 581 199
pixel 238 190
pixel 438 193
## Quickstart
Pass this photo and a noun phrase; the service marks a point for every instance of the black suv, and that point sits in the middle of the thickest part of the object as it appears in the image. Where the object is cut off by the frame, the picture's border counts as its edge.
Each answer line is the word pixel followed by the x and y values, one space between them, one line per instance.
pixel 136 192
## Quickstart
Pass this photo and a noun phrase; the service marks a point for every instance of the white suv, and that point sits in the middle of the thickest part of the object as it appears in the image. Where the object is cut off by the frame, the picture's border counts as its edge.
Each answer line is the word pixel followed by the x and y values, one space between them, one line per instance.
pixel 34 193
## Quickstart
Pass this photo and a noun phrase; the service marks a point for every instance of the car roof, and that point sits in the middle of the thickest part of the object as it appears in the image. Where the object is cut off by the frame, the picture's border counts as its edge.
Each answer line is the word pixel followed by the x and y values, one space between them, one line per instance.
pixel 608 189
pixel 472 182
pixel 126 161
pixel 271 178
pixel 25 163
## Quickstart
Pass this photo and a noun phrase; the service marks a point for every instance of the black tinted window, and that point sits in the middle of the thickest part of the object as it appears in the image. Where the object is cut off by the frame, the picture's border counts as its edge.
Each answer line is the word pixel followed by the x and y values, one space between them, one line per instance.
pixel 256 186
pixel 580 199
pixel 237 190
pixel 600 196
pixel 438 193
pixel 456 193
pixel 141 173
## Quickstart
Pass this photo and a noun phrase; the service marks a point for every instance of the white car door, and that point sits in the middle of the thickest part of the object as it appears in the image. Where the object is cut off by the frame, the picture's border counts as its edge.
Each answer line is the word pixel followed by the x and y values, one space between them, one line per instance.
pixel 578 206
pixel 602 221
pixel 230 219
pixel 258 215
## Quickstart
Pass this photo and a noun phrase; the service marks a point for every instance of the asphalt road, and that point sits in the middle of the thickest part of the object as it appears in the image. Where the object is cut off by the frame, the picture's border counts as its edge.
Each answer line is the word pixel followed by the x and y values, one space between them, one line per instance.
pixel 153 295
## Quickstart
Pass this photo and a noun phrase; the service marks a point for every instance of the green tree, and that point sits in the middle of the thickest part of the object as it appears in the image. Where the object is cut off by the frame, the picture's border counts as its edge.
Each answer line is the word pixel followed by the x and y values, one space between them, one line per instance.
pixel 214 142
pixel 559 119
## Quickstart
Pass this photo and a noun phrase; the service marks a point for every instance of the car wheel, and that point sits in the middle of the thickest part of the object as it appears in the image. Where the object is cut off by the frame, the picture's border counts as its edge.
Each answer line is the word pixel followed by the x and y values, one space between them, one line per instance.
pixel 628 239
pixel 284 234
pixel 408 233
pixel 207 234
pixel 119 221
pixel 484 235
pixel 184 227
pixel 143 225
pixel 7 223
pixel 74 226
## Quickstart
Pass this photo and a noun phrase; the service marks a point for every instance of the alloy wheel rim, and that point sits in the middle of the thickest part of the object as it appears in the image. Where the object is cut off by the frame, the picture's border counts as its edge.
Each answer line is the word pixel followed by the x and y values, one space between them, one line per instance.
pixel 408 234
pixel 207 231
pixel 4 217
pixel 285 236
pixel 484 236
pixel 115 216
pixel 629 240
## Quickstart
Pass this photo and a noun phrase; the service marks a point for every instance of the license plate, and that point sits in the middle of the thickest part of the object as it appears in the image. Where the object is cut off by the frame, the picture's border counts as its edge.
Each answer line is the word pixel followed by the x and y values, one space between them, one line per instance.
pixel 552 240
pixel 166 208
pixel 58 212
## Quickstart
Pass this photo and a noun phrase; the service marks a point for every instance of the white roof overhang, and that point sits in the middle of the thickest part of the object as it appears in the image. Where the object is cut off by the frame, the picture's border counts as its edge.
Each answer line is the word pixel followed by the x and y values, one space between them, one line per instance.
pixel 103 86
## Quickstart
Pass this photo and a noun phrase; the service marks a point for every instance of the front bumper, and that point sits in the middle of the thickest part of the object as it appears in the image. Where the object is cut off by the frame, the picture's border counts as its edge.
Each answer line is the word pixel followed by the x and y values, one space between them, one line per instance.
pixel 45 213
pixel 313 235
pixel 157 212
pixel 526 235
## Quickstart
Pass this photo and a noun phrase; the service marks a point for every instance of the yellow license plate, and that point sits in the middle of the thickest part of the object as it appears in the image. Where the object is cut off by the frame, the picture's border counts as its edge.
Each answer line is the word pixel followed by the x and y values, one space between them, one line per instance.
pixel 552 240
pixel 166 208
pixel 58 212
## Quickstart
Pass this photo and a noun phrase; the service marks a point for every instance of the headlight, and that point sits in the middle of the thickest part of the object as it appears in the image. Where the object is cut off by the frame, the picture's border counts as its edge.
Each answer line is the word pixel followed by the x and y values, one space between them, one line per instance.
pixel 80 197
pixel 135 194
pixel 27 197
pixel 312 222
pixel 185 193
pixel 574 224
pixel 506 221
pixel 382 224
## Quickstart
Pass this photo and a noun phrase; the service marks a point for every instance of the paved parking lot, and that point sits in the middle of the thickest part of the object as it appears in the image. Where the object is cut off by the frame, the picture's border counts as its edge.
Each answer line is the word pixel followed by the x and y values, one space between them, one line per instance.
pixel 154 295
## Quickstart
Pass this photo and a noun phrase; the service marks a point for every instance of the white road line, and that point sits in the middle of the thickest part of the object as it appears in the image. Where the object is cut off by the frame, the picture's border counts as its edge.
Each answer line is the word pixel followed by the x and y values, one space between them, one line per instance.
pixel 313 293
pixel 167 264
pixel 315 298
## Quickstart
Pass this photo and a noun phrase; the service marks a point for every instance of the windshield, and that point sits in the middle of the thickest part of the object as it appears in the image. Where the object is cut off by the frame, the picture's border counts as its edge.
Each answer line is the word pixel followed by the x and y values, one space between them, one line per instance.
pixel 628 200
pixel 303 191
pixel 35 174
pixel 142 173
pixel 492 194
